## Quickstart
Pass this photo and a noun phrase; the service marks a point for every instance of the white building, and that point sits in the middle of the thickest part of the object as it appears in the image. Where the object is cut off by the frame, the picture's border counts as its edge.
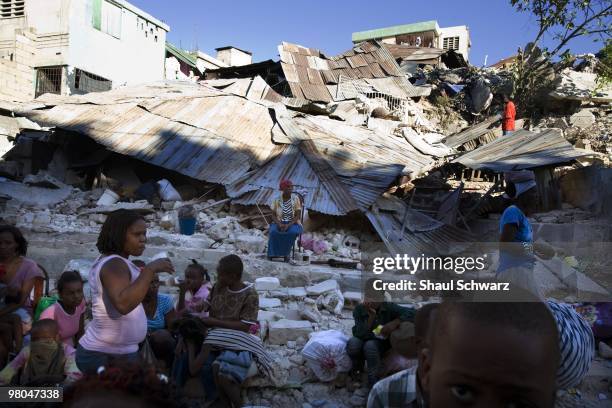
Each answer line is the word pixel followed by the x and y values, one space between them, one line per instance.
pixel 77 46
pixel 422 34
pixel 456 38
pixel 234 57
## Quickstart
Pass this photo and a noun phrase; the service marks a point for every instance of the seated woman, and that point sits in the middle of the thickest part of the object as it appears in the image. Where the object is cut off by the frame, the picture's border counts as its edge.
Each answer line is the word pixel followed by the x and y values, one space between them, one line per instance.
pixel 17 272
pixel 375 320
pixel 233 305
pixel 160 312
pixel 285 226
pixel 69 310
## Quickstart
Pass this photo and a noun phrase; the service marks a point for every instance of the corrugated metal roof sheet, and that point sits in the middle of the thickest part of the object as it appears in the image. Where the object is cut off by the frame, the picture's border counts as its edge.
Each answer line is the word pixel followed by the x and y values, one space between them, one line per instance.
pixel 471 133
pixel 211 135
pixel 421 234
pixel 308 72
pixel 420 27
pixel 255 89
pixel 193 129
pixel 412 53
pixel 523 150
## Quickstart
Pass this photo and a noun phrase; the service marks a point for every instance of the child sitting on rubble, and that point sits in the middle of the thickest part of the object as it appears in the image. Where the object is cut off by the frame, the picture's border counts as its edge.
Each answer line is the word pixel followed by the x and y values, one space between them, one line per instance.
pixel 404 389
pixel 69 310
pixel 194 291
pixel 192 332
pixel 45 361
pixel 375 320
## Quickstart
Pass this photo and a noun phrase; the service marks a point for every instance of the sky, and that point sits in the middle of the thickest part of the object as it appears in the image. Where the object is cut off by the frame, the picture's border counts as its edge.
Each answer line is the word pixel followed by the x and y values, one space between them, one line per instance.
pixel 496 29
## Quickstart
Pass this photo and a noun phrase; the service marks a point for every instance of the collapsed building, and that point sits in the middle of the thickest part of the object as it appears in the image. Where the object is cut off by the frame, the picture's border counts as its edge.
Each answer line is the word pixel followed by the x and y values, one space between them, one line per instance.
pixel 410 159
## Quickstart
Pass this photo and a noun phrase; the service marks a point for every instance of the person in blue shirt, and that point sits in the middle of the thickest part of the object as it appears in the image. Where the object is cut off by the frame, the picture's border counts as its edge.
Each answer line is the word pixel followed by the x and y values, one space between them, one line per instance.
pixel 517 251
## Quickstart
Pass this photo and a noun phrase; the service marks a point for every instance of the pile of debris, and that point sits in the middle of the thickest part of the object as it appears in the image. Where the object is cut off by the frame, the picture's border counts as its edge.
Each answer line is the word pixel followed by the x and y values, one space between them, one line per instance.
pixel 403 156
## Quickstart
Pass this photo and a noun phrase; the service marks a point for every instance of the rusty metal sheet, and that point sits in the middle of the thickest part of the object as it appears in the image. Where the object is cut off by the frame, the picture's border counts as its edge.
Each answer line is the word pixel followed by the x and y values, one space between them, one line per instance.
pixel 302 72
pixel 290 72
pixel 377 72
pixel 314 77
pixel 316 92
pixel 330 77
pixel 523 150
pixel 300 60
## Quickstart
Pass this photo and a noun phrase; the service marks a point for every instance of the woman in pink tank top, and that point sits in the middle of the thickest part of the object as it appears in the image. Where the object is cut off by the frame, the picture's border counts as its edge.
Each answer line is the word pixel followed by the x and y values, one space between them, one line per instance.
pixel 118 287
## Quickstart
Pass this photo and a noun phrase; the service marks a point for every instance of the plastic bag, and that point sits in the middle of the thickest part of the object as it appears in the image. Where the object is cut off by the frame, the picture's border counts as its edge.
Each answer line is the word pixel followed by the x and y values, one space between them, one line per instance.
pixel 147 356
pixel 167 191
pixel 325 354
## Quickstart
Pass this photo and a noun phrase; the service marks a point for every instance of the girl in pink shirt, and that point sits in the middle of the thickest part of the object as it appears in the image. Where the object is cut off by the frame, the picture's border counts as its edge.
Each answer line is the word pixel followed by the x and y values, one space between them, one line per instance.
pixel 69 310
pixel 197 286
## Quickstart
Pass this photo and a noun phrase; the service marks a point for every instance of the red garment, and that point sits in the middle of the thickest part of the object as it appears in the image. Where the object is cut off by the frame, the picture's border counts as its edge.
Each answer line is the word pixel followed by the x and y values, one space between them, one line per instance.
pixel 509 115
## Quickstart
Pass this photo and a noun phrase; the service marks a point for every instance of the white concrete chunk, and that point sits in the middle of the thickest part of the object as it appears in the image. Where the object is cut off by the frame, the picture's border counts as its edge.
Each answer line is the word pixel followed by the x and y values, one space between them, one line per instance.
pixel 269 303
pixel 268 315
pixel 329 285
pixel 266 283
pixel 251 244
pixel 352 296
pixel 285 330
pixel 296 292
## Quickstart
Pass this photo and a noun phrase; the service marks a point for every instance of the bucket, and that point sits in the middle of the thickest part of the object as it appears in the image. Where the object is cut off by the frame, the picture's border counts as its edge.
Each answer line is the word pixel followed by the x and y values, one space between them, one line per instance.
pixel 108 198
pixel 187 225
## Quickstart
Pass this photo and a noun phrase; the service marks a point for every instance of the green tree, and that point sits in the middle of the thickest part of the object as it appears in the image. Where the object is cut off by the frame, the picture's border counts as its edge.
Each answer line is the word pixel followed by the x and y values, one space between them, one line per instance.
pixel 563 21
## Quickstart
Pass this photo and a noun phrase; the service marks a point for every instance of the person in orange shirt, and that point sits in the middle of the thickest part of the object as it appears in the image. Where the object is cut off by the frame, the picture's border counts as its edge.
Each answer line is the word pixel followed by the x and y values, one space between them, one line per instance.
pixel 509 115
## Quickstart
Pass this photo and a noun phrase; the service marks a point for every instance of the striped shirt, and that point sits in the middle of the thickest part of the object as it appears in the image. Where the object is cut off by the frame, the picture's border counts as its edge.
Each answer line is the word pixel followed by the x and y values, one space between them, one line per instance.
pixel 576 344
pixel 397 391
pixel 287 211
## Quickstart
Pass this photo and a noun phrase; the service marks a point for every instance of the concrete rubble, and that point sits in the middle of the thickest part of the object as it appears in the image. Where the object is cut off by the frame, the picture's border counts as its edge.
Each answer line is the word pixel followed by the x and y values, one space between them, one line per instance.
pixel 321 286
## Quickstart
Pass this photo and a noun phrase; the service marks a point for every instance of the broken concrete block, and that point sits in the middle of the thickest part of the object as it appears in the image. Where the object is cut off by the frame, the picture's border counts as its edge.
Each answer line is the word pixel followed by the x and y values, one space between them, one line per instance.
pixel 290 314
pixel 43 180
pixel 310 311
pixel 268 315
pixel 282 331
pixel 251 244
pixel 329 285
pixel 269 303
pixel 332 301
pixel 42 218
pixel 220 228
pixel 266 283
pixel 98 218
pixel 296 292
pixel 350 296
pixel 582 119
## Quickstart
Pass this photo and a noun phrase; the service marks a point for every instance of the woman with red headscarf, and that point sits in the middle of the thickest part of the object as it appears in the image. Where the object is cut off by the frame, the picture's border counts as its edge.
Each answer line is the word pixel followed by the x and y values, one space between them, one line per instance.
pixel 285 226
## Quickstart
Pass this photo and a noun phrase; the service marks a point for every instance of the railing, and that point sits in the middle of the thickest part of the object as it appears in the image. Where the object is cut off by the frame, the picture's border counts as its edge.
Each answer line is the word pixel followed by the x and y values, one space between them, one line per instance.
pixel 349 88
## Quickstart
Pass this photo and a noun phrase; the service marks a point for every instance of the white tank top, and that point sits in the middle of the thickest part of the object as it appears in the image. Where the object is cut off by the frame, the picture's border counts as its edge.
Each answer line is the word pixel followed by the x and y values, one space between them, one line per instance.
pixel 111 332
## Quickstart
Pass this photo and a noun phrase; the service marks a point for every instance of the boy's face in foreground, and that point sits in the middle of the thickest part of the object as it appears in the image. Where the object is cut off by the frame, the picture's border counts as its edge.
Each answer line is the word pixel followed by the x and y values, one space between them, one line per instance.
pixel 489 367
